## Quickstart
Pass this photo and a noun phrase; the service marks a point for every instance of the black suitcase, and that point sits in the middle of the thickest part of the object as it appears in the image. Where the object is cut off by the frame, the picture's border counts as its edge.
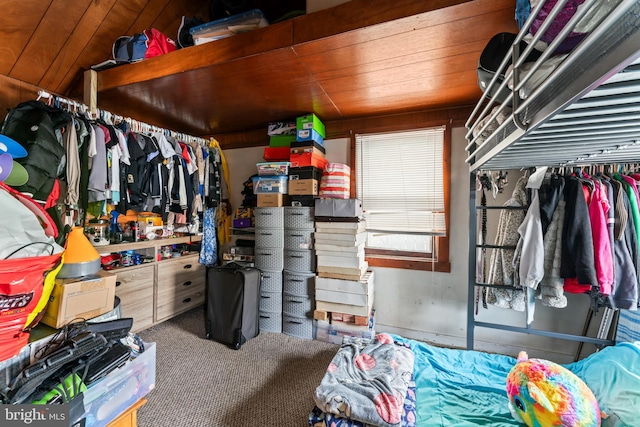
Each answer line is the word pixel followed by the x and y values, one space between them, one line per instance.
pixel 233 303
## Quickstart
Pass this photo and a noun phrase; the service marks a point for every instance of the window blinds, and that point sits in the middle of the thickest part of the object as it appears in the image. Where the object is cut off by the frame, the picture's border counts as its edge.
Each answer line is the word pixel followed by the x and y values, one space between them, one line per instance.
pixel 399 178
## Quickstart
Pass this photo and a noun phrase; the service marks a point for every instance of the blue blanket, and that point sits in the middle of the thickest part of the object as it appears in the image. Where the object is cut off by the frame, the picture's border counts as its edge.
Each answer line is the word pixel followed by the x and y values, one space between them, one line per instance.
pixel 467 388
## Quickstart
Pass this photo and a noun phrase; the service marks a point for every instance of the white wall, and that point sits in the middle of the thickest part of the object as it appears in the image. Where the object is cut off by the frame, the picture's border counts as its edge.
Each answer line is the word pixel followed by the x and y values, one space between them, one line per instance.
pixel 432 306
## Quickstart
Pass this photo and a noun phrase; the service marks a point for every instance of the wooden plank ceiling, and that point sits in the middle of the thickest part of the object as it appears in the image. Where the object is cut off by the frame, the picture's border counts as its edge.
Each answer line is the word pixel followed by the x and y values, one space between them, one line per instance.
pixel 359 59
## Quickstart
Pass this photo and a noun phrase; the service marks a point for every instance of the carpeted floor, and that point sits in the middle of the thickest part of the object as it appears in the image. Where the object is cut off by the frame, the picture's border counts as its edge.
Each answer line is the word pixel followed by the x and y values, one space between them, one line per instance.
pixel 268 382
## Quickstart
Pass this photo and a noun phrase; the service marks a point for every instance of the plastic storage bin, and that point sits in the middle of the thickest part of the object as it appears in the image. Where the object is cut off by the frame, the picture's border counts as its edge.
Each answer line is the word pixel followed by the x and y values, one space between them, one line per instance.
pixel 108 398
pixel 301 261
pixel 300 327
pixel 269 259
pixel 299 283
pixel 297 305
pixel 270 322
pixel 269 238
pixel 269 217
pixel 271 280
pixel 272 184
pixel 301 218
pixel 298 239
pixel 225 27
pixel 271 302
pixel 273 168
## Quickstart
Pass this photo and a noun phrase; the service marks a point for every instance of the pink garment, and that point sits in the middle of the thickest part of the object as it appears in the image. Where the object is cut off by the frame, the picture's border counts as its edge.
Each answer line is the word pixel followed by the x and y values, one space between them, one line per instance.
pixel 598 214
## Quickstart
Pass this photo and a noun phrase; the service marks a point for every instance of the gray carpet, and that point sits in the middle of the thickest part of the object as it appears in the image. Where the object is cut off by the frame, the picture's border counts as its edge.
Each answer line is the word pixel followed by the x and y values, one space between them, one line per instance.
pixel 268 382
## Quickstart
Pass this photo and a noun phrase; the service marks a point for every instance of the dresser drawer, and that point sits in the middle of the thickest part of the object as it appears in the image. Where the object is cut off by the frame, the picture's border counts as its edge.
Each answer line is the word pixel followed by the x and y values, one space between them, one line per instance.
pixel 299 218
pixel 301 261
pixel 269 238
pixel 269 259
pixel 269 217
pixel 298 239
pixel 181 286
pixel 135 290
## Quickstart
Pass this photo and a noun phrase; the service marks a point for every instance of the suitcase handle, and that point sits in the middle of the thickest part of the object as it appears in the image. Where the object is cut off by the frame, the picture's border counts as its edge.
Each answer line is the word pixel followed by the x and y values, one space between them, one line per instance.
pixel 187 283
pixel 186 267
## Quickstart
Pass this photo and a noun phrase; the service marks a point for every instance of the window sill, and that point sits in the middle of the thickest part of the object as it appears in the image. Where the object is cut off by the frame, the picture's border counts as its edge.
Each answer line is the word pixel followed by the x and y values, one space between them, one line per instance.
pixel 409 263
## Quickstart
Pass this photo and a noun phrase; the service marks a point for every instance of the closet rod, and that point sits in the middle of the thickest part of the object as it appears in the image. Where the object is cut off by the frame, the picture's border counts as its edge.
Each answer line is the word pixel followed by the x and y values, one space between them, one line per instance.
pixel 521 208
pixel 144 127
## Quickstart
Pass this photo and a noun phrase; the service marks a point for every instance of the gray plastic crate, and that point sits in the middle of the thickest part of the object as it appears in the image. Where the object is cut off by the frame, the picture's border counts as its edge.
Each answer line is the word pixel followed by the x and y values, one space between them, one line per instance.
pixel 299 217
pixel 270 322
pixel 303 261
pixel 298 239
pixel 295 283
pixel 269 217
pixel 269 238
pixel 271 302
pixel 297 305
pixel 269 259
pixel 300 327
pixel 271 280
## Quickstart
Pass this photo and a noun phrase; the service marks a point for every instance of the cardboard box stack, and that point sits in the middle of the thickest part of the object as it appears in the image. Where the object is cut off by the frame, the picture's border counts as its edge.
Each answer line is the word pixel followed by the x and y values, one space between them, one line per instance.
pixel 344 288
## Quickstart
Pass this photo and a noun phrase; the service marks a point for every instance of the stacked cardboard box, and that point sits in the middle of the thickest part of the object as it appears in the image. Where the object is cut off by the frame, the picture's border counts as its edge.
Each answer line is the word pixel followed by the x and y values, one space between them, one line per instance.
pixel 344 288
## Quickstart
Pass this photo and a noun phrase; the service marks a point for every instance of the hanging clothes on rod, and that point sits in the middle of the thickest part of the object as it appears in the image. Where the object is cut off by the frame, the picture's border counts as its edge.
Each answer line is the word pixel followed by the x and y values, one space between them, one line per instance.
pixel 589 223
pixel 87 164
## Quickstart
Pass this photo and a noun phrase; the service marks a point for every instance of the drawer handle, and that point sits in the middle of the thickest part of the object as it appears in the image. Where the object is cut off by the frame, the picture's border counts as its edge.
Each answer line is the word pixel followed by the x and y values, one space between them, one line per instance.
pixel 265 317
pixel 297 213
pixel 186 267
pixel 296 301
pixel 187 283
pixel 118 283
pixel 296 280
pixel 265 296
pixel 266 234
pixel 297 235
pixel 186 300
pixel 294 322
pixel 296 256
pixel 267 253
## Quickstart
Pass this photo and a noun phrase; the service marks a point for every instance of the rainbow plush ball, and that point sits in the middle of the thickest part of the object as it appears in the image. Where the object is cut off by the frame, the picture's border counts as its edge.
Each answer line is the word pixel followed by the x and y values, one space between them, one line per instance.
pixel 543 393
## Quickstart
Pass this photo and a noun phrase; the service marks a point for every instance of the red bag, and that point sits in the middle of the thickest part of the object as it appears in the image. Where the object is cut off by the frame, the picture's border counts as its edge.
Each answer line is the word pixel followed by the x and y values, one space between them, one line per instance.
pixel 157 43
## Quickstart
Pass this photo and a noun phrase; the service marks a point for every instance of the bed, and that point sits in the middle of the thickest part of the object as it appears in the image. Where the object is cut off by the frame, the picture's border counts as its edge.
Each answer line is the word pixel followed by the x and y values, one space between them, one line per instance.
pixel 569 106
pixel 450 387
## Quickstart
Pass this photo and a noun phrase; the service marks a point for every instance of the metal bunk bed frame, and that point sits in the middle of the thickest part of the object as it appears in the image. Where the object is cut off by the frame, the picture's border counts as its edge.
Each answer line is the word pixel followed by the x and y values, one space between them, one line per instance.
pixel 584 113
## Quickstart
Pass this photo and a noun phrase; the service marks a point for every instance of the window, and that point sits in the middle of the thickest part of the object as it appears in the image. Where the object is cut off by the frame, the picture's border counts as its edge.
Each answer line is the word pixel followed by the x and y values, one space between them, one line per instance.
pixel 402 178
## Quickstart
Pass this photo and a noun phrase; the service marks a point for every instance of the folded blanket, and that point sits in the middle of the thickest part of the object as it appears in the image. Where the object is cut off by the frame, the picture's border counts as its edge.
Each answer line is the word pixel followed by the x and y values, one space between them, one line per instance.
pixel 367 381
pixel 317 418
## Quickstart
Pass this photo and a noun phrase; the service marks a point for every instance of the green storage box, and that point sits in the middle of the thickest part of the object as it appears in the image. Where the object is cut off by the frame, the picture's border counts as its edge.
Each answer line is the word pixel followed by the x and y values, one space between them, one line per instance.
pixel 310 121
pixel 281 140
